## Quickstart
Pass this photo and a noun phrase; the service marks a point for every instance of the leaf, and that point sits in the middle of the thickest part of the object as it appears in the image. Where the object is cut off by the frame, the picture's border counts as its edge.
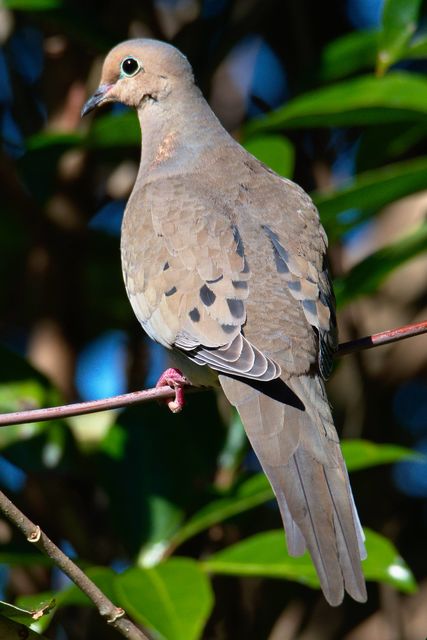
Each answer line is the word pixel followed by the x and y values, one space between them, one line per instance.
pixel 174 599
pixel 362 454
pixel 360 101
pixel 249 494
pixel 348 54
pixel 110 130
pixel 12 611
pixel 11 630
pixel 384 564
pixel 264 555
pixel 388 143
pixel 368 274
pixel 32 5
pixel 22 387
pixel 115 130
pixel 399 21
pixel 275 151
pixel 37 612
pixel 370 191
pixel 417 49
pixel 45 139
pixel 23 559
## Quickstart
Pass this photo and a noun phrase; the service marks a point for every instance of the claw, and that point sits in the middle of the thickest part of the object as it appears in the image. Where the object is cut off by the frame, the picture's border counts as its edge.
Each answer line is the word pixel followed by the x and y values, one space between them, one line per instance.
pixel 176 380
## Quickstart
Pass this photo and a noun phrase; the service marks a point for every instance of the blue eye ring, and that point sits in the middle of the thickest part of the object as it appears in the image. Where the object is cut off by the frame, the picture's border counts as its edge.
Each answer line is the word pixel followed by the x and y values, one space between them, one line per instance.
pixel 129 67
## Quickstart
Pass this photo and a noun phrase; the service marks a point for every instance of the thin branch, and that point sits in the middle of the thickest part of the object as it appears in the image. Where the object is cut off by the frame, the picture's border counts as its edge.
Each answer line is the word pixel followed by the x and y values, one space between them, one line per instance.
pixel 115 616
pixel 81 408
pixel 384 337
pixel 136 397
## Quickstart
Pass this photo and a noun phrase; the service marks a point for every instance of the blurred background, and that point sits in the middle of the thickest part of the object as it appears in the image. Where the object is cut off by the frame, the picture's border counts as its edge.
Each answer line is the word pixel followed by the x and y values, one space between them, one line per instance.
pixel 169 514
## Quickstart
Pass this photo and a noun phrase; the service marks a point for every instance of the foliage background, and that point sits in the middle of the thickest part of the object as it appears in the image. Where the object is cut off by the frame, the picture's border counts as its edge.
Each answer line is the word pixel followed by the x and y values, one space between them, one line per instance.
pixel 331 94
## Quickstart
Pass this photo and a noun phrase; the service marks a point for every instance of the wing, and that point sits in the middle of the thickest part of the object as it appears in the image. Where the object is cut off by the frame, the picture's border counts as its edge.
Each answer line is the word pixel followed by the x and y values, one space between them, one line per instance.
pixel 286 250
pixel 188 279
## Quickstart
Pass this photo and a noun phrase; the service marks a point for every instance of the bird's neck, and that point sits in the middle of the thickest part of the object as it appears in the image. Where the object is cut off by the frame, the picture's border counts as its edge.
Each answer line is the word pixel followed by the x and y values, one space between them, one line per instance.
pixel 177 133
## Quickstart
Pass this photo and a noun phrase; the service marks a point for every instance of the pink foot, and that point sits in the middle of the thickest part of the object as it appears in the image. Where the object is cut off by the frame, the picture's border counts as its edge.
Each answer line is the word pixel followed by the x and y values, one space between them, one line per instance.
pixel 176 380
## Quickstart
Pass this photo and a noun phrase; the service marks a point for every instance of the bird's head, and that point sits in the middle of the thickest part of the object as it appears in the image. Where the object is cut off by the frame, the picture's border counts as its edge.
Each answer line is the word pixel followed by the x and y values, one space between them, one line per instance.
pixel 137 71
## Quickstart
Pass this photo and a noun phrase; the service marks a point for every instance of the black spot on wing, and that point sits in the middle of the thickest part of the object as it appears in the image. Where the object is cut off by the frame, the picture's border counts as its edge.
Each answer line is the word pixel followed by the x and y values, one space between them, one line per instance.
pixel 194 314
pixel 294 285
pixel 166 266
pixel 170 292
pixel 280 254
pixel 239 284
pixel 239 242
pixel 281 265
pixel 207 296
pixel 310 307
pixel 228 328
pixel 236 307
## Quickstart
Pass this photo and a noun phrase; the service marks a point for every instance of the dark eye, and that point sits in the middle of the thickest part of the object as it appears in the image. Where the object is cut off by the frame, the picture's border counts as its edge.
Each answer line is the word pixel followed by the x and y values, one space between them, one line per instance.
pixel 129 67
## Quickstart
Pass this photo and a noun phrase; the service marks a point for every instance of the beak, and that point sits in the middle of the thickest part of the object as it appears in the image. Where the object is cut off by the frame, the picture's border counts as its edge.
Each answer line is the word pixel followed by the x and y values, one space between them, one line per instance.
pixel 96 99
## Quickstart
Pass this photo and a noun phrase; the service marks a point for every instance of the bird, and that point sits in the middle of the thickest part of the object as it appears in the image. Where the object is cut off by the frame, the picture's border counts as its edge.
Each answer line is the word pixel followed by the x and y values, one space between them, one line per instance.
pixel 224 263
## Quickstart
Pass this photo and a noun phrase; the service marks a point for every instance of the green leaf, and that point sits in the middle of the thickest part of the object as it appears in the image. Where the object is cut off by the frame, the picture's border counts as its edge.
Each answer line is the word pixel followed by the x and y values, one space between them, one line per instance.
pixel 275 151
pixel 32 5
pixel 12 611
pixel 9 630
pixel 45 602
pixel 399 21
pixel 265 555
pixel 346 55
pixel 368 274
pixel 360 101
pixel 384 564
pixel 417 49
pixel 45 139
pixel 23 559
pixel 362 454
pixel 174 599
pixel 249 494
pixel 370 191
pixel 22 387
pixel 390 142
pixel 36 611
pixel 233 450
pixel 115 130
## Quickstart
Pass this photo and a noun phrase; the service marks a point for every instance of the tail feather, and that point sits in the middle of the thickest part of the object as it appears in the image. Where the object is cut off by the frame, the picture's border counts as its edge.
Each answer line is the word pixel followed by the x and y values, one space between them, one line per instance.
pixel 300 454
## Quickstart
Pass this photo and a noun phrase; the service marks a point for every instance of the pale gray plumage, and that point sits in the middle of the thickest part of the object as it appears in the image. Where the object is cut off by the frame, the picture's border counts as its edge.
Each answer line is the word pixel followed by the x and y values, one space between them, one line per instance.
pixel 224 263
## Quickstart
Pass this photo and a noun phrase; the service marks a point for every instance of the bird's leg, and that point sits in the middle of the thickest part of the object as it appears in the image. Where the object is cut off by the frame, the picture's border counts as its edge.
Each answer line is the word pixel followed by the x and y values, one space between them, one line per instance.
pixel 176 380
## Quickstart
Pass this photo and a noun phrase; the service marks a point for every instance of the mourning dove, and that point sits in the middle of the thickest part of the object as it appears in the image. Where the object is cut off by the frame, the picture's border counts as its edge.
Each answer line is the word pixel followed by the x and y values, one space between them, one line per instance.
pixel 224 264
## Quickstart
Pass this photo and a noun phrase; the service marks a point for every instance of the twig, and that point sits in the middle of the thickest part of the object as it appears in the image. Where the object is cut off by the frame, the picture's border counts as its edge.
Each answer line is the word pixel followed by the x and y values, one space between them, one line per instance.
pixel 114 616
pixel 384 337
pixel 81 408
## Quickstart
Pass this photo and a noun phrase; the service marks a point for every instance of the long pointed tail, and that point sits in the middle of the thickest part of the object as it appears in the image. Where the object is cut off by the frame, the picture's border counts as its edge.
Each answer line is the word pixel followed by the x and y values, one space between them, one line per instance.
pixel 300 453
